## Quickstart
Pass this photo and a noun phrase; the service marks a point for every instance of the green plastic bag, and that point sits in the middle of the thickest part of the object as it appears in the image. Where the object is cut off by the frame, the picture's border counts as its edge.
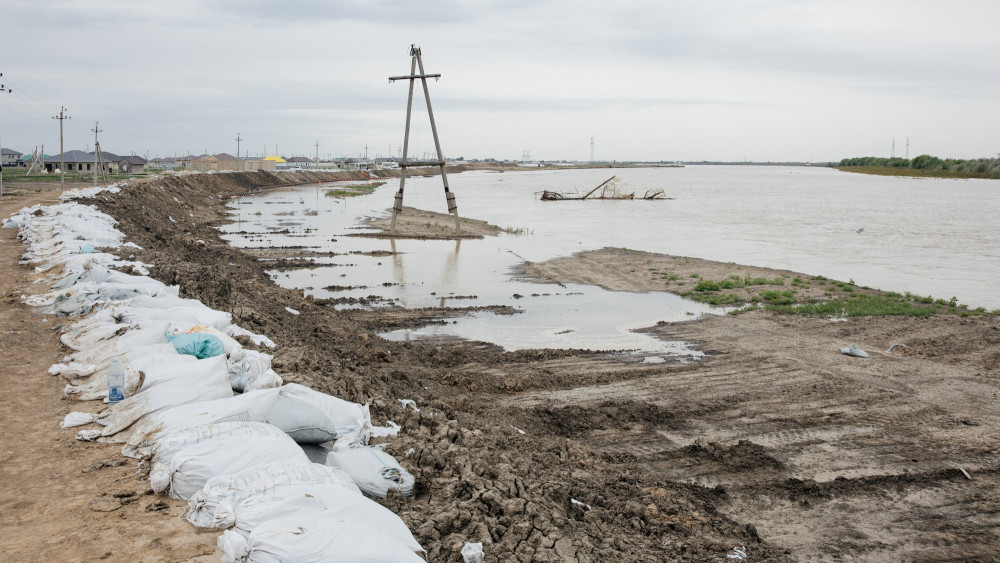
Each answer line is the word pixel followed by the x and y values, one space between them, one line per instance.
pixel 198 344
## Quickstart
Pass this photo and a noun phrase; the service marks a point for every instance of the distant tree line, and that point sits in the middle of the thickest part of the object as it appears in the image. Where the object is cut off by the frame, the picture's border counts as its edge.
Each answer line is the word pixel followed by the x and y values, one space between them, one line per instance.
pixel 984 167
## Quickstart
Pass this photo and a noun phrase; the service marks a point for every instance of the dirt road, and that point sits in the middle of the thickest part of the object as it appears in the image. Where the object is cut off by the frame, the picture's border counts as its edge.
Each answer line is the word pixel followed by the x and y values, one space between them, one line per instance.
pixel 774 441
pixel 60 499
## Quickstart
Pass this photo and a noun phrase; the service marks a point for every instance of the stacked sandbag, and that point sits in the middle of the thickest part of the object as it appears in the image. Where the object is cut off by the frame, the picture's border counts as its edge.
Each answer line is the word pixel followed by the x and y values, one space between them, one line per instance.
pixel 374 471
pixel 216 505
pixel 213 418
pixel 318 540
pixel 184 461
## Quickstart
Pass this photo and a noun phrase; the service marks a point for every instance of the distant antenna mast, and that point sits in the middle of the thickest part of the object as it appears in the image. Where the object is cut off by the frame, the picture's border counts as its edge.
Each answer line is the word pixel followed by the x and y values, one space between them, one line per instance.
pixel 317 151
pixel 238 141
pixel 417 63
pixel 591 148
pixel 907 148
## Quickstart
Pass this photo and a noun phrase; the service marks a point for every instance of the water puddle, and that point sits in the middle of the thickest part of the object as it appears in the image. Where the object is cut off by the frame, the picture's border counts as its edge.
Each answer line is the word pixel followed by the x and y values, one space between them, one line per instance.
pixel 303 225
pixel 577 317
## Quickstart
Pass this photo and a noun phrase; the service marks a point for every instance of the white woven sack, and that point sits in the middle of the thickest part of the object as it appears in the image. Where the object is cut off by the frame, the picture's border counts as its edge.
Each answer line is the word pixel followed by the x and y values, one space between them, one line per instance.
pixel 248 407
pixel 316 541
pixel 168 367
pixel 373 470
pixel 309 504
pixel 184 461
pixel 281 479
pixel 180 391
pixel 351 420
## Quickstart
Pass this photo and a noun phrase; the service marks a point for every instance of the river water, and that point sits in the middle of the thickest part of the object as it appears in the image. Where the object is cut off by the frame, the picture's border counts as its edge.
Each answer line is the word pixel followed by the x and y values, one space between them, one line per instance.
pixel 934 237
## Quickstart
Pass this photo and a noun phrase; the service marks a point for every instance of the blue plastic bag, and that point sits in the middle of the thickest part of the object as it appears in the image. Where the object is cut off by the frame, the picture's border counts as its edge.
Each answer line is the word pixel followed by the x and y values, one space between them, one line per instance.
pixel 198 344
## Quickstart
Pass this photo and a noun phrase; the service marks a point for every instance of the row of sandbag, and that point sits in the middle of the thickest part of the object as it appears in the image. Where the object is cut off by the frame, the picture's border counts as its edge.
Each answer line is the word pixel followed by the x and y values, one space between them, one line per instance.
pixel 213 418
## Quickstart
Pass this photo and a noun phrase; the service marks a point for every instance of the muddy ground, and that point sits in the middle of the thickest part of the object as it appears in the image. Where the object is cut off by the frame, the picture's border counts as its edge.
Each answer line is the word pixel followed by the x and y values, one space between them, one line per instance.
pixel 774 441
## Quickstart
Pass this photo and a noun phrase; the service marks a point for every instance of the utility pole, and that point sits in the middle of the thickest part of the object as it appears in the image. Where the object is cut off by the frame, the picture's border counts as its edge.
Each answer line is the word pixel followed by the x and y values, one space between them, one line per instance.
pixel 591 148
pixel 98 155
pixel 3 90
pixel 238 139
pixel 907 148
pixel 317 152
pixel 416 62
pixel 36 160
pixel 62 164
pixel 893 148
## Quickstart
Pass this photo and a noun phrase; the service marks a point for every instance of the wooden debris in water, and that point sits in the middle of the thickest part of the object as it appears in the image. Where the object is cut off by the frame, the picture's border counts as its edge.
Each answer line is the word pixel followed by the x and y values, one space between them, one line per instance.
pixel 609 189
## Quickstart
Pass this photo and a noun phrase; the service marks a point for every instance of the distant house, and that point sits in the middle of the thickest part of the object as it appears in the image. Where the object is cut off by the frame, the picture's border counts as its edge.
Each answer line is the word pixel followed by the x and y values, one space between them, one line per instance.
pixel 224 161
pixel 358 164
pixel 80 161
pixel 132 165
pixel 298 159
pixel 9 157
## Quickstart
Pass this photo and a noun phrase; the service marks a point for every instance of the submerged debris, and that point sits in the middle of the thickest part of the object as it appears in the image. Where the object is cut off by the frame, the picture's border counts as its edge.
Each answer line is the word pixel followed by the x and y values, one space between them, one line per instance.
pixel 609 189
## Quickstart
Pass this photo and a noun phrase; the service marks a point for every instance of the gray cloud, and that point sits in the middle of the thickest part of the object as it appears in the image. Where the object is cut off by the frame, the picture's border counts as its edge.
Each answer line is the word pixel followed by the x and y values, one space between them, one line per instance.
pixel 176 75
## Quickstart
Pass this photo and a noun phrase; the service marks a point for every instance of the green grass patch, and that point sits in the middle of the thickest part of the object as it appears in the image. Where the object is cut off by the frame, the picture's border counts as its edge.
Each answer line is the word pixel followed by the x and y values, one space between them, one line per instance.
pixel 354 190
pixel 881 305
pixel 912 172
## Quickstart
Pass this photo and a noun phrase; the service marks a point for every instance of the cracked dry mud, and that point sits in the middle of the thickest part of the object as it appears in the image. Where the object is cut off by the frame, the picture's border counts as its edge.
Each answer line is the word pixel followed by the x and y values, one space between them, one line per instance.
pixel 774 441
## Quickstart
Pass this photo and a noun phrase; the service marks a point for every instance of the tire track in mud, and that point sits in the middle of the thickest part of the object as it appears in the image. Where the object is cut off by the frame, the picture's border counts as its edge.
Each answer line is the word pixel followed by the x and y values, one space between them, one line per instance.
pixel 753 425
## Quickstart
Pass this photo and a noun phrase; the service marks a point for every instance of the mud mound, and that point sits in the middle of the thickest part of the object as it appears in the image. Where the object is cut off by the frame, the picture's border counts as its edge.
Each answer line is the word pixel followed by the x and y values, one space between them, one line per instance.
pixel 744 455
pixel 572 421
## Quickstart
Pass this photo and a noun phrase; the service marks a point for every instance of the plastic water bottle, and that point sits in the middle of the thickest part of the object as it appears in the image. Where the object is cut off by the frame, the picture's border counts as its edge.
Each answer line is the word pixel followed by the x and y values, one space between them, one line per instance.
pixel 116 383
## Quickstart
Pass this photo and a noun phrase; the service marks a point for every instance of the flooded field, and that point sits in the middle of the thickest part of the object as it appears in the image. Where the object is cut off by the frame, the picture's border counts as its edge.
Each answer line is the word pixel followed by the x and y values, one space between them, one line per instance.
pixel 927 236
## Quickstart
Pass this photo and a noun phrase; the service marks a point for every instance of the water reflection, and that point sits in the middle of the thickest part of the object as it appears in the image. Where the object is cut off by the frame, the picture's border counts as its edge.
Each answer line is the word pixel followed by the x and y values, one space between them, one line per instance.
pixel 803 219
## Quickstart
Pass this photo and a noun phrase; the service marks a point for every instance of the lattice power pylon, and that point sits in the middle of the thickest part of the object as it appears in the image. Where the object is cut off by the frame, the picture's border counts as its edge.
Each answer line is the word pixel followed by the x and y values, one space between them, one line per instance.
pixel 416 64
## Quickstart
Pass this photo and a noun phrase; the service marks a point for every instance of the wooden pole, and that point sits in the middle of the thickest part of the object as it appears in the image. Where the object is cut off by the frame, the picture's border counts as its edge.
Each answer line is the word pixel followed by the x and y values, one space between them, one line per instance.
pixel 598 187
pixel 415 62
pixel 397 206
pixel 449 197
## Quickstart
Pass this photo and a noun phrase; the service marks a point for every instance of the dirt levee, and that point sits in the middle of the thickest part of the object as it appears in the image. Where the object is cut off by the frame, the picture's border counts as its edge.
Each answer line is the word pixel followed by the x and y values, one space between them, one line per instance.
pixel 774 442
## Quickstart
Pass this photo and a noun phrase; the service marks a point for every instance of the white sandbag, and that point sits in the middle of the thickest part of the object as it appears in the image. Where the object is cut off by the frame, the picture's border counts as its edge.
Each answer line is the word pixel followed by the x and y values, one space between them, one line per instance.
pixel 76 370
pixel 168 367
pixel 350 420
pixel 305 423
pixel 88 380
pixel 308 505
pixel 276 479
pixel 180 391
pixel 257 339
pixel 79 340
pixel 184 461
pixel 250 370
pixel 373 470
pixel 143 317
pixel 316 541
pixel 205 314
pixel 77 419
pixel 253 406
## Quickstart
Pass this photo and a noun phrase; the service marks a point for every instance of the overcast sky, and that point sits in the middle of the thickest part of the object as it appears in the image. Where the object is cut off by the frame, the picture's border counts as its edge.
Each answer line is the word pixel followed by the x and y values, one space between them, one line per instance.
pixel 657 80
